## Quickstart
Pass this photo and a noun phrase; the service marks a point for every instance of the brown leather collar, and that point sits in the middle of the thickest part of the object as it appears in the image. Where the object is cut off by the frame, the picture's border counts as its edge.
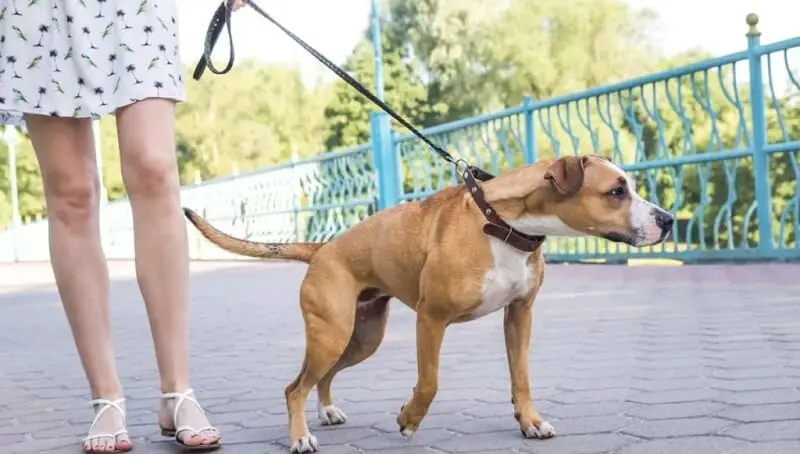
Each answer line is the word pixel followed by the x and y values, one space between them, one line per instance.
pixel 496 227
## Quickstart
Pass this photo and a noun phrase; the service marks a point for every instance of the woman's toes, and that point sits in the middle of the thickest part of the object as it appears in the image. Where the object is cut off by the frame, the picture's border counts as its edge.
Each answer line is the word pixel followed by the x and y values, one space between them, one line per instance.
pixel 192 440
pixel 123 443
pixel 210 436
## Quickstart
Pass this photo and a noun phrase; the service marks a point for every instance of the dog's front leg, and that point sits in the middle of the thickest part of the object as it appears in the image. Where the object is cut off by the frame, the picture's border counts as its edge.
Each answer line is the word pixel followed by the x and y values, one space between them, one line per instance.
pixel 517 327
pixel 430 334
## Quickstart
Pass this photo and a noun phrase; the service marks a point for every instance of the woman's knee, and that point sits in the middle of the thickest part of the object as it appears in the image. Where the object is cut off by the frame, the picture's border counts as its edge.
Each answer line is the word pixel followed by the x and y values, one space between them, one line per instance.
pixel 72 199
pixel 147 148
pixel 150 172
pixel 65 153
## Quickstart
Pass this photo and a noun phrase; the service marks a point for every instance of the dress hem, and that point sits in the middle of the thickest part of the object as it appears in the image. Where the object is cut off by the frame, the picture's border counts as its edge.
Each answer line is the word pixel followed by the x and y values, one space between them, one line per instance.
pixel 16 117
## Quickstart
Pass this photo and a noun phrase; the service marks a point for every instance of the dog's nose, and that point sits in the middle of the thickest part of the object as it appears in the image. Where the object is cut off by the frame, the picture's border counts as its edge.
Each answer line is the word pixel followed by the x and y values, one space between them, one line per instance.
pixel 664 220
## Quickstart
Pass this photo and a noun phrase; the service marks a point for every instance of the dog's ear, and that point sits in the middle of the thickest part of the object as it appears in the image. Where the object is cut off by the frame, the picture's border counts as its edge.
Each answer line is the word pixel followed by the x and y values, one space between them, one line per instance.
pixel 566 174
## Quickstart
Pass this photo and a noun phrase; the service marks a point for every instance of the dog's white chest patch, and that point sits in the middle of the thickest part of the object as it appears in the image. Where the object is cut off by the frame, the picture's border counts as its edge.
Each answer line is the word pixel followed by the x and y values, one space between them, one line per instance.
pixel 508 280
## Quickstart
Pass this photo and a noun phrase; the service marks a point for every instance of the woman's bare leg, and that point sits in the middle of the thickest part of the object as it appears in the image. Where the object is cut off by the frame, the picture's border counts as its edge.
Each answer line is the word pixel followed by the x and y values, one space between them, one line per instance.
pixel 65 151
pixel 150 173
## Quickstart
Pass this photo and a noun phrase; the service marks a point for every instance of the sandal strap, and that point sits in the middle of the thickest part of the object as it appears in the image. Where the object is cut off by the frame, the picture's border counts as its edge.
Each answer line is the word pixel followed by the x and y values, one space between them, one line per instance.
pixel 194 431
pixel 182 397
pixel 106 435
pixel 107 404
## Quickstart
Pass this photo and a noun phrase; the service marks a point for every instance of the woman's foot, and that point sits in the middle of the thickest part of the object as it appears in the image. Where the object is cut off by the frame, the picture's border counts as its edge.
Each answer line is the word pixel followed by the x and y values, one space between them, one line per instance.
pixel 183 418
pixel 108 432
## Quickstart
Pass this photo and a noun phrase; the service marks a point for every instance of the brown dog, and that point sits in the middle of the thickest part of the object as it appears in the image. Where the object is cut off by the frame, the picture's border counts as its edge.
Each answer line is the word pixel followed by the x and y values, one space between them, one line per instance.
pixel 433 256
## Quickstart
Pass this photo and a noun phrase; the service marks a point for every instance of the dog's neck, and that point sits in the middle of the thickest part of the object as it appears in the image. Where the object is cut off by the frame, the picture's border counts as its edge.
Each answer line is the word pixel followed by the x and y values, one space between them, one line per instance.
pixel 520 197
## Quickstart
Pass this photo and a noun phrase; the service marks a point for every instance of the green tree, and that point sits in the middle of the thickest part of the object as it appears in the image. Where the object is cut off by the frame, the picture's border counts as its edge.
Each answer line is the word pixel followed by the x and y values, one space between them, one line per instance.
pixel 29 184
pixel 254 116
pixel 347 114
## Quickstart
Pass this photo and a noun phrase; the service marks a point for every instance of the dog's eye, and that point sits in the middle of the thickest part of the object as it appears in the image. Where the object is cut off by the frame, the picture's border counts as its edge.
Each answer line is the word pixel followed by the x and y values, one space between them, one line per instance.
pixel 619 191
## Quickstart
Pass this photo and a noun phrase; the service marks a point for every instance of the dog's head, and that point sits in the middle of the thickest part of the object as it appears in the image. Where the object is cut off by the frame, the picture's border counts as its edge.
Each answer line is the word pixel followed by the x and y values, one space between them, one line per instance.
pixel 589 195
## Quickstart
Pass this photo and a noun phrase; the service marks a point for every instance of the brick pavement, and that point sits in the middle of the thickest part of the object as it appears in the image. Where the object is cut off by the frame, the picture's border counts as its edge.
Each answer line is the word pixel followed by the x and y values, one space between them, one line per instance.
pixel 624 360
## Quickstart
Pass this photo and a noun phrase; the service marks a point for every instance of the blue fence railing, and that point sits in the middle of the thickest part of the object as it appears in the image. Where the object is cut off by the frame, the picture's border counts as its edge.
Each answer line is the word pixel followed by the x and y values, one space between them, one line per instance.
pixel 716 142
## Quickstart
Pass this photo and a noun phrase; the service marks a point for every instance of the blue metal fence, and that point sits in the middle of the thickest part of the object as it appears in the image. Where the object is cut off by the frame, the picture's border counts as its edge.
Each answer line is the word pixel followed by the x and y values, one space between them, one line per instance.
pixel 716 142
pixel 718 151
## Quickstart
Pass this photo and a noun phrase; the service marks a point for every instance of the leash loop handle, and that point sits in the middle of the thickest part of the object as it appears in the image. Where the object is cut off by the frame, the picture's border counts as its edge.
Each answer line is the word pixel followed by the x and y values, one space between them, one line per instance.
pixel 220 19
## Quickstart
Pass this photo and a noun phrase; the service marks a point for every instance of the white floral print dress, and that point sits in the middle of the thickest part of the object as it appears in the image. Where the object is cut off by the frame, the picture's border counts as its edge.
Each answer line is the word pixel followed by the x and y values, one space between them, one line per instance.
pixel 86 58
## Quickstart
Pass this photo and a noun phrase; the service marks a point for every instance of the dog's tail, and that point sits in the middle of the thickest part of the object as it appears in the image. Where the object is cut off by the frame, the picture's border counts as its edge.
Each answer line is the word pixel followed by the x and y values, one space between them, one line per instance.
pixel 288 251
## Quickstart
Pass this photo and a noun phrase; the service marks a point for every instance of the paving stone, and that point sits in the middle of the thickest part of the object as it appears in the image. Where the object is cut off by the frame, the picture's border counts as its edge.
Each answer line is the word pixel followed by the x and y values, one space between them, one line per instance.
pixel 766 431
pixel 581 444
pixel 342 435
pixel 36 446
pixel 593 385
pixel 336 449
pixel 758 384
pixel 584 397
pixel 688 445
pixel 771 396
pixel 684 427
pixel 774 447
pixel 591 424
pixel 676 410
pixel 677 396
pixel 483 442
pixel 244 436
pixel 590 409
pixel 663 385
pixel 12 439
pixel 656 352
pixel 761 413
pixel 484 425
pixel 501 410
pixel 420 439
pixel 749 373
pixel 448 421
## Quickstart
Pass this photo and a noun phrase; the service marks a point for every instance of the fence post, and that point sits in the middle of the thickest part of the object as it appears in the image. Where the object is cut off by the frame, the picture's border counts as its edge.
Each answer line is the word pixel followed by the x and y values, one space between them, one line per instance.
pixel 300 229
pixel 760 161
pixel 530 132
pixel 11 139
pixel 384 160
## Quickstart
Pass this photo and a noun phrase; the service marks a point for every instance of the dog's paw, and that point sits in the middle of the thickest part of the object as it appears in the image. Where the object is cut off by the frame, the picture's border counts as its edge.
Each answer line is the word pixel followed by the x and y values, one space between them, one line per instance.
pixel 306 444
pixel 543 431
pixel 331 415
pixel 407 429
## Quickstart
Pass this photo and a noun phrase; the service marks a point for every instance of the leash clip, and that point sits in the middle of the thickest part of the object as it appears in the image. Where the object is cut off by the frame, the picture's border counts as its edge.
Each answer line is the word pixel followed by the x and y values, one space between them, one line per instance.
pixel 462 167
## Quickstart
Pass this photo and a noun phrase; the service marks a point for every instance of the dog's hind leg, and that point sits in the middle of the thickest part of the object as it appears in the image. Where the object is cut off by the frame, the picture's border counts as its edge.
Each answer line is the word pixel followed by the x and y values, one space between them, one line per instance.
pixel 370 326
pixel 329 316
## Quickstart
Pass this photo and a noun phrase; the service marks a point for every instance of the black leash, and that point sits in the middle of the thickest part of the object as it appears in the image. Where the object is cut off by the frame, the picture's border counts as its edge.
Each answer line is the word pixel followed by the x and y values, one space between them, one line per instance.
pixel 494 227
pixel 222 18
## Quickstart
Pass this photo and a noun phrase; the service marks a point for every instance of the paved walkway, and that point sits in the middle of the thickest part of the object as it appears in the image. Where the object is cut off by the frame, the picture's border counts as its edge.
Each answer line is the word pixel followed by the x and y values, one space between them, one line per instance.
pixel 676 360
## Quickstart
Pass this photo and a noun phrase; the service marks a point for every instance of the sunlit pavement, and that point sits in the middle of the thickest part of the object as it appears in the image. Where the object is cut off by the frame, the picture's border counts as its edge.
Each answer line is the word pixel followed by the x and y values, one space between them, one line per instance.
pixel 651 360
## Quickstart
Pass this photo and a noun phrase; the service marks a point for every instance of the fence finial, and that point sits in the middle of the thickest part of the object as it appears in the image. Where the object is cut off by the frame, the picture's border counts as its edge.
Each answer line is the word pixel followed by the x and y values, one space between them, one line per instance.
pixel 752 21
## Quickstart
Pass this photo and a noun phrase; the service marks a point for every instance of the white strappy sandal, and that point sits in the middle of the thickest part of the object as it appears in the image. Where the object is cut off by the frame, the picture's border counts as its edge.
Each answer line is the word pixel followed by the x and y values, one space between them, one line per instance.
pixel 180 399
pixel 108 404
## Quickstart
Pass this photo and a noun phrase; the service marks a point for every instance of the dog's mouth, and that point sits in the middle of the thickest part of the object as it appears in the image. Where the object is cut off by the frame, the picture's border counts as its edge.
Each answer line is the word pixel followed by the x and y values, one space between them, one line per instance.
pixel 617 237
pixel 637 238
